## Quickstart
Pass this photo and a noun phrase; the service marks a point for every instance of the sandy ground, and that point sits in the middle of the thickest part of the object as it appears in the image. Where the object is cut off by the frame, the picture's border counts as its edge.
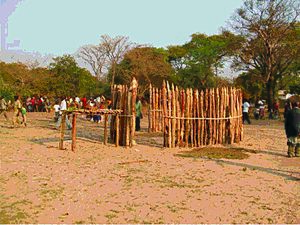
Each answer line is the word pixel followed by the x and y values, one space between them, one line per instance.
pixel 143 184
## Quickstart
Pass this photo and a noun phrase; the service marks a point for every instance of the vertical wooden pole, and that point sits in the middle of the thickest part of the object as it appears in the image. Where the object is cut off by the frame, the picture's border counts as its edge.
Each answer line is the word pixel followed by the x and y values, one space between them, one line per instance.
pixel 123 118
pixel 117 130
pixel 134 86
pixel 62 131
pixel 201 106
pixel 173 95
pixel 156 110
pixel 227 115
pixel 129 117
pixel 210 116
pixel 169 116
pixel 164 112
pixel 105 129
pixel 197 109
pixel 161 121
pixel 214 129
pixel 187 124
pixel 221 102
pixel 114 106
pixel 241 119
pixel 191 121
pixel 178 116
pixel 206 115
pixel 182 121
pixel 232 113
pixel 73 146
pixel 150 110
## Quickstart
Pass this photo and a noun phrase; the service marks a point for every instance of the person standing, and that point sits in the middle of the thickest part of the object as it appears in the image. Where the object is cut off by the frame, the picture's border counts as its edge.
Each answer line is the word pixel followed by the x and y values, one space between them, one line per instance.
pixel 56 109
pixel 246 107
pixel 63 108
pixel 292 130
pixel 3 107
pixel 139 115
pixel 83 100
pixel 17 110
pixel 24 112
pixel 287 108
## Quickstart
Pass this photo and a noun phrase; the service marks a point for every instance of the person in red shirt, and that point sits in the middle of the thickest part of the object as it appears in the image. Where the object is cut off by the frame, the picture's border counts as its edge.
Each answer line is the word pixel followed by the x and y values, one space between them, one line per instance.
pixel 33 104
pixel 83 102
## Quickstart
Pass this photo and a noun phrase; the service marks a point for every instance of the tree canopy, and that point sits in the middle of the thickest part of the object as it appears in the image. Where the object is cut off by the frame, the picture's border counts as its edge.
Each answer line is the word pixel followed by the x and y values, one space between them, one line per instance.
pixel 63 78
pixel 271 41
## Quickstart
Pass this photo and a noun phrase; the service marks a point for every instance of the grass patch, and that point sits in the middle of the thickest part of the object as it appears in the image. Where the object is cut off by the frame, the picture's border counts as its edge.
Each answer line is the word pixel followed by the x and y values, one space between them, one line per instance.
pixel 175 209
pixel 13 214
pixel 215 153
pixel 111 215
pixel 51 194
pixel 79 222
pixel 169 182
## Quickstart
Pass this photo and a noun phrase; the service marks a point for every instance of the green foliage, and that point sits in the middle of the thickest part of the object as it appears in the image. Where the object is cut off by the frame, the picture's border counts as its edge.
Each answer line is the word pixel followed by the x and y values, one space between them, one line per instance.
pixel 197 62
pixel 5 90
pixel 294 86
pixel 271 45
pixel 147 65
pixel 63 78
pixel 70 80
pixel 250 84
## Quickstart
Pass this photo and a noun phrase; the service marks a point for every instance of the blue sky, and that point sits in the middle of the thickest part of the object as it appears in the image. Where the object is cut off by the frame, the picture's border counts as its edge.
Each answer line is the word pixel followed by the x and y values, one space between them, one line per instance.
pixel 62 26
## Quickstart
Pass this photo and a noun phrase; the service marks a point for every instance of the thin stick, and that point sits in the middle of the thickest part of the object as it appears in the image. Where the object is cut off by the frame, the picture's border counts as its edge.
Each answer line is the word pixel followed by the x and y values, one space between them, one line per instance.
pixel 62 131
pixel 105 129
pixel 117 130
pixel 73 146
pixel 150 110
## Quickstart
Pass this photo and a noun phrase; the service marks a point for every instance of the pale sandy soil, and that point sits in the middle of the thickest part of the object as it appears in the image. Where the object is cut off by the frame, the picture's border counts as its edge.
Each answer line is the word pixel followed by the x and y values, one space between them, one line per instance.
pixel 99 184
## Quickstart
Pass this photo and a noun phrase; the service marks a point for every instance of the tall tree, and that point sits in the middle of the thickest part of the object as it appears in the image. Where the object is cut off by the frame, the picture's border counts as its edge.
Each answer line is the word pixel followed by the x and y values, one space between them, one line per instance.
pixel 95 57
pixel 271 41
pixel 106 55
pixel 147 64
pixel 197 62
pixel 115 48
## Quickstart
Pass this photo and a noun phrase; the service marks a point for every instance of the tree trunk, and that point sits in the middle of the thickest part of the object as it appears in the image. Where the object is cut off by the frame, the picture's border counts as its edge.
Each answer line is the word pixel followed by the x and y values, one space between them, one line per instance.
pixel 270 93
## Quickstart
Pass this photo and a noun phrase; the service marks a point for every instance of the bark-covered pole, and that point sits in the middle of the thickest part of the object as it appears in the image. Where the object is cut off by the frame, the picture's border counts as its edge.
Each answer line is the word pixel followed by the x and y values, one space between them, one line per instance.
pixel 73 146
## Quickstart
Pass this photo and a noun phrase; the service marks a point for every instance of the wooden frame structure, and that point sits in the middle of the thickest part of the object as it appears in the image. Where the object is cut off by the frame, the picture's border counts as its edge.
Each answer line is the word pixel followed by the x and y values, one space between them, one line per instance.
pixel 187 118
pixel 124 99
pixel 105 112
pixel 194 118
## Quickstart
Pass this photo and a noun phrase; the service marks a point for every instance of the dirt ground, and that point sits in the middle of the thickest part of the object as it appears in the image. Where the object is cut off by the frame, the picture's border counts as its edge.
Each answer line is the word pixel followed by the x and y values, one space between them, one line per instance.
pixel 146 183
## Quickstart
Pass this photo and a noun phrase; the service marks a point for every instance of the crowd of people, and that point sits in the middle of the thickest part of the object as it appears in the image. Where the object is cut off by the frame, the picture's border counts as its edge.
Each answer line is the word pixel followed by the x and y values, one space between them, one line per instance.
pixel 291 121
pixel 59 105
pixel 259 109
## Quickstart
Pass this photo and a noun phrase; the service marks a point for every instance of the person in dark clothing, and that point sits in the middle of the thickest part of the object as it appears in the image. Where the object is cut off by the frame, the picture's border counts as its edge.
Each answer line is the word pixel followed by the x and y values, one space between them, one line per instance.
pixel 287 108
pixel 292 130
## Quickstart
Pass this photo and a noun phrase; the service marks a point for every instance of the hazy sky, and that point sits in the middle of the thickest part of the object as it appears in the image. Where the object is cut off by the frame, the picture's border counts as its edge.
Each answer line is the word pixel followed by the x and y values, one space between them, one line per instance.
pixel 62 26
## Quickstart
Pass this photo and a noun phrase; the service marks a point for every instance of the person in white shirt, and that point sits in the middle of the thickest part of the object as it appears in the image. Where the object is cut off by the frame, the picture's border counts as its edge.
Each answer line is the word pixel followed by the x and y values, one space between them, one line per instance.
pixel 246 107
pixel 56 110
pixel 63 107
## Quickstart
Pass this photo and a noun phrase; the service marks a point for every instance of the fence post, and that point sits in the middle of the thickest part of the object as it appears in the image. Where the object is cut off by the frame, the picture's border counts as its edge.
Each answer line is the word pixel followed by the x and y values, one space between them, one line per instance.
pixel 73 147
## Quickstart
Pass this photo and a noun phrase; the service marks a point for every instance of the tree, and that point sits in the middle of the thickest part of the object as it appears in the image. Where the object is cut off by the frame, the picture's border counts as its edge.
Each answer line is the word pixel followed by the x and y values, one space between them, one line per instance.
pixel 271 42
pixel 115 48
pixel 147 64
pixel 68 79
pixel 106 55
pixel 95 56
pixel 251 86
pixel 197 62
